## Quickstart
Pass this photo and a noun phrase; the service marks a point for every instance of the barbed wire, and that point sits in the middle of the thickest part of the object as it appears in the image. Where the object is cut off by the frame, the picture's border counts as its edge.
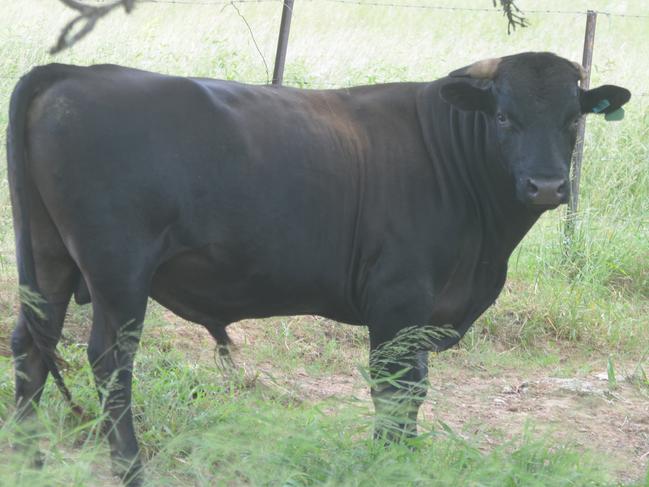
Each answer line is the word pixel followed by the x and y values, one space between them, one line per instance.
pixel 410 5
pixel 422 6
pixel 425 6
pixel 90 13
pixel 184 2
pixel 208 2
pixel 378 3
pixel 252 36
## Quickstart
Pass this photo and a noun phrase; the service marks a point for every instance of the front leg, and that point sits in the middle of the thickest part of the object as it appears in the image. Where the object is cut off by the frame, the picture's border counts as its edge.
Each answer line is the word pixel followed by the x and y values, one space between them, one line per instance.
pixel 399 371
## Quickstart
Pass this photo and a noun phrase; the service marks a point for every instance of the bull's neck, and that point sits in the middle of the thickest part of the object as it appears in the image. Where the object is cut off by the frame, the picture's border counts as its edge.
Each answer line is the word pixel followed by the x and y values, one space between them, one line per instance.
pixel 465 144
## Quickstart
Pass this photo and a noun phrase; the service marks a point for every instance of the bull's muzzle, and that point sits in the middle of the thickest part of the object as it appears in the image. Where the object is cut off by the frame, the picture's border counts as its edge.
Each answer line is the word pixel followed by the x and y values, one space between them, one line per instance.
pixel 546 192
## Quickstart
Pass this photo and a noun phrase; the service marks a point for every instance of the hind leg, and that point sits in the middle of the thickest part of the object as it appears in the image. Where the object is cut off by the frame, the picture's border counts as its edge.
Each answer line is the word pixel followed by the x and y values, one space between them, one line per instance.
pixel 31 374
pixel 223 342
pixel 56 276
pixel 119 301
pixel 31 371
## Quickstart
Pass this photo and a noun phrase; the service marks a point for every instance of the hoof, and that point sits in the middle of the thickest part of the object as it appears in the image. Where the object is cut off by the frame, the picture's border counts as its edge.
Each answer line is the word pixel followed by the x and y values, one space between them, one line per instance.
pixel 37 457
pixel 129 472
pixel 395 433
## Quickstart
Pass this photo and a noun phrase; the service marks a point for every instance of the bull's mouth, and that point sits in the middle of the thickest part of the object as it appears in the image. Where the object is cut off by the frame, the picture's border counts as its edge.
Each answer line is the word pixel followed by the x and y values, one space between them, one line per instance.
pixel 540 208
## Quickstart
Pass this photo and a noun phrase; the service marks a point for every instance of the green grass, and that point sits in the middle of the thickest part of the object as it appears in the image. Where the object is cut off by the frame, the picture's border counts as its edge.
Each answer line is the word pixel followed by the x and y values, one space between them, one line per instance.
pixel 197 428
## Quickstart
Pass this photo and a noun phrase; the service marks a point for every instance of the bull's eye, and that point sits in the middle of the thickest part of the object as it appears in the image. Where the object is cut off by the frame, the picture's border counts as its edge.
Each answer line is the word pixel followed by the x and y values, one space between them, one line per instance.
pixel 502 118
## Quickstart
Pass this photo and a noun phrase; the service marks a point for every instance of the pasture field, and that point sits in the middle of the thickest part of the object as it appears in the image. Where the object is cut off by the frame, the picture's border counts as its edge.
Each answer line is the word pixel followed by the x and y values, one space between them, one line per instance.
pixel 548 388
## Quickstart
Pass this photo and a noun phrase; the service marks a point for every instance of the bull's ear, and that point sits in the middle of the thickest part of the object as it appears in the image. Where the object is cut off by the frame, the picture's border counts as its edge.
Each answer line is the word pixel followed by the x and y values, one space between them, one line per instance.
pixel 607 99
pixel 467 97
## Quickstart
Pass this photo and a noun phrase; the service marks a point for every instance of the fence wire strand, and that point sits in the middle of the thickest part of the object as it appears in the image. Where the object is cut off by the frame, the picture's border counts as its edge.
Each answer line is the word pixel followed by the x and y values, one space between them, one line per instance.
pixel 92 10
pixel 207 2
pixel 424 6
pixel 254 40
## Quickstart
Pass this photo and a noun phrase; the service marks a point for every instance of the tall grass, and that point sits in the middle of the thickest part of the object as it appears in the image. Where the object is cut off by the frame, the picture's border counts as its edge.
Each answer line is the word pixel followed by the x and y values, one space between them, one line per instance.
pixel 197 429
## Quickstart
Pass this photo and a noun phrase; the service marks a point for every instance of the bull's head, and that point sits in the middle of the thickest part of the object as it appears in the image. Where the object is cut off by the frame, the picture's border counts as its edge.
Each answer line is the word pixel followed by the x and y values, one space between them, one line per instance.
pixel 534 104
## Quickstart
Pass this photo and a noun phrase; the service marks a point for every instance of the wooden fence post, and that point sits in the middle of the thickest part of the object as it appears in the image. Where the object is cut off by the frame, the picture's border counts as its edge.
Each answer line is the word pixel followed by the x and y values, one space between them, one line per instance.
pixel 578 155
pixel 282 42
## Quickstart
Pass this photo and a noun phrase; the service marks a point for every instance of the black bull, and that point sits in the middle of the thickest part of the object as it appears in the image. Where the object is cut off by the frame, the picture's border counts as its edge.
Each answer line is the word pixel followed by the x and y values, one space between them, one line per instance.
pixel 390 206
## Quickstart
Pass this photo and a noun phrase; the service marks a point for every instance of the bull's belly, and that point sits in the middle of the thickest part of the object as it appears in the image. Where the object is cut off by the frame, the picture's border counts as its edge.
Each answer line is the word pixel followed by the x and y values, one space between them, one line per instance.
pixel 217 286
pixel 202 287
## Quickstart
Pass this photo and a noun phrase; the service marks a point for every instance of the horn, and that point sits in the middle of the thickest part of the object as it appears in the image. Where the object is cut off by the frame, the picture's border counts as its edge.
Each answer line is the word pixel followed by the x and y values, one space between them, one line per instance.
pixel 485 69
pixel 581 70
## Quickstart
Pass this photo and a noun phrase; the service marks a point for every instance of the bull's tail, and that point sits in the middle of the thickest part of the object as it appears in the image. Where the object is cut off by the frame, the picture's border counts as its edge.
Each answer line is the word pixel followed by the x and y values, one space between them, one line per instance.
pixel 33 306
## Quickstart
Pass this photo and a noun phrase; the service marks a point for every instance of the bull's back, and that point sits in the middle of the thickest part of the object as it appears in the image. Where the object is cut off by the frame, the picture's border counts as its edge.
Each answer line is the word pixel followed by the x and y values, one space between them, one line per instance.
pixel 179 165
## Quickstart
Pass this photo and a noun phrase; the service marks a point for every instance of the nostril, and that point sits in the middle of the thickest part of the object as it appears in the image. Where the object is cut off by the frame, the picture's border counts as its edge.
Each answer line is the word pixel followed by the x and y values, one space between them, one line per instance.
pixel 546 192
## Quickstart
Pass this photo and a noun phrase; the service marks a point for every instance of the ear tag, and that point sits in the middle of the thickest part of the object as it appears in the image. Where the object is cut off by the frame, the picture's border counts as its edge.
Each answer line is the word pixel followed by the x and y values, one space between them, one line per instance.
pixel 601 106
pixel 615 116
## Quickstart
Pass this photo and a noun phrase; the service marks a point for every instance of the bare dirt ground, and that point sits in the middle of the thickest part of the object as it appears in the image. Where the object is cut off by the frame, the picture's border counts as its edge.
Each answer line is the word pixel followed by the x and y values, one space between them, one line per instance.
pixel 490 408
pixel 580 411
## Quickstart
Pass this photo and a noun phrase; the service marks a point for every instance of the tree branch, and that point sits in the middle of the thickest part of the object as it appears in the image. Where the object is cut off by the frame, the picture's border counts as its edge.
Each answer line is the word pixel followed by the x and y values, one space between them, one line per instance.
pixel 87 19
pixel 514 14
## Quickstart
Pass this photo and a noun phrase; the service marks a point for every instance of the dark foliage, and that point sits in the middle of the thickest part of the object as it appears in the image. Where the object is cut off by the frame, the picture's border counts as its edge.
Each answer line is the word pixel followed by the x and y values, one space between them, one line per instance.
pixel 87 19
pixel 513 13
